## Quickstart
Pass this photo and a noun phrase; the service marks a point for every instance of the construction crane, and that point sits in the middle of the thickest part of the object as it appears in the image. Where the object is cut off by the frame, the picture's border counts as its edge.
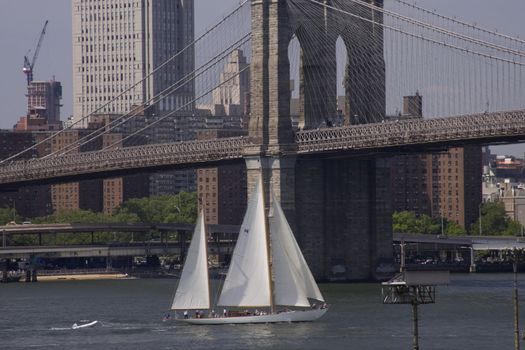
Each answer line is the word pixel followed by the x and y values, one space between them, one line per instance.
pixel 29 65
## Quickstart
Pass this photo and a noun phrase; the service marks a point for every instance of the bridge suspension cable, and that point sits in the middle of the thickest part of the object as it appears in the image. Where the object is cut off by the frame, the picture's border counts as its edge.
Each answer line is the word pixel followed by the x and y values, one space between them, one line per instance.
pixel 454 76
pixel 213 28
pixel 417 36
pixel 463 23
pixel 189 78
pixel 439 29
pixel 170 114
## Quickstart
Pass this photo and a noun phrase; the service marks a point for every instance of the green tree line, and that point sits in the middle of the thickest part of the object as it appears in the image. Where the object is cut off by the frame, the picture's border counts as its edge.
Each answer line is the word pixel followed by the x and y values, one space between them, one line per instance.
pixel 181 208
pixel 494 222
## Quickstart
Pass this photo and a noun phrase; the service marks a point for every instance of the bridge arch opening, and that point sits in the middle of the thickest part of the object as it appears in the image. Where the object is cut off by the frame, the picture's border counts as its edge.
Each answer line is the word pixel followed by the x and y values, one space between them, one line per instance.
pixel 296 96
pixel 341 56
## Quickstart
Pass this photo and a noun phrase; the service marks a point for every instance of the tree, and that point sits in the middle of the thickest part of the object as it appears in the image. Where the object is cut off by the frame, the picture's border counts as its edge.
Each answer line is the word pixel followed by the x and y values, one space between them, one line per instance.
pixel 7 215
pixel 71 216
pixel 181 208
pixel 452 228
pixel 404 222
pixel 495 222
pixel 409 222
pixel 514 228
pixel 428 226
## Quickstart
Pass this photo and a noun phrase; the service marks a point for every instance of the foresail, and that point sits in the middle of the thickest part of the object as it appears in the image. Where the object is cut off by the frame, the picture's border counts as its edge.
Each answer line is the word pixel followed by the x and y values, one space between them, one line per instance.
pixel 247 282
pixel 193 289
pixel 293 280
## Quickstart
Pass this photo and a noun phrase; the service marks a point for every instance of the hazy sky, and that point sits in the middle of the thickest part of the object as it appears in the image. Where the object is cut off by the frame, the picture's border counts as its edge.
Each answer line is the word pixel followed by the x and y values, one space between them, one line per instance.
pixel 21 22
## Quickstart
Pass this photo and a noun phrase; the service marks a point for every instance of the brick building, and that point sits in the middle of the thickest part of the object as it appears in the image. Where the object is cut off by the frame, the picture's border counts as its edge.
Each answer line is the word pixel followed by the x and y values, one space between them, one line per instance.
pixel 222 190
pixel 96 195
pixel 446 184
pixel 29 201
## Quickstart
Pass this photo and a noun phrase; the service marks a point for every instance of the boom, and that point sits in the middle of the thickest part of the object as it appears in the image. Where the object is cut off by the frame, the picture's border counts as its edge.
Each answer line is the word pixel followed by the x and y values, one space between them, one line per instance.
pixel 29 65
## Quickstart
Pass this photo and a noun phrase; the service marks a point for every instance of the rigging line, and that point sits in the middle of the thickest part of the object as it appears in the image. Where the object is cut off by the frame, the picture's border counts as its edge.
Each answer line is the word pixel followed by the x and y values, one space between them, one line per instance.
pixel 452 19
pixel 174 87
pixel 129 89
pixel 439 29
pixel 177 110
pixel 419 36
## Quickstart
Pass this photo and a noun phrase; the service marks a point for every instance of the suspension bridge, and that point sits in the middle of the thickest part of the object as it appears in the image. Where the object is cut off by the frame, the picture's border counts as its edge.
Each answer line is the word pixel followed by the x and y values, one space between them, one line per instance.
pixel 330 171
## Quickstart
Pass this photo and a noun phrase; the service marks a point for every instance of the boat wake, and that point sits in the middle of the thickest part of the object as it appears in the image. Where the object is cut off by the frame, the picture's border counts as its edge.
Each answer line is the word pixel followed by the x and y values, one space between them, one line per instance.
pixel 75 326
pixel 60 328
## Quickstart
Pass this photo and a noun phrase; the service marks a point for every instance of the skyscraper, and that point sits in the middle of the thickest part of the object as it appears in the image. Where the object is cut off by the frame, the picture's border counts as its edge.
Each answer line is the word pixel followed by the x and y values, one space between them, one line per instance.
pixel 236 85
pixel 117 43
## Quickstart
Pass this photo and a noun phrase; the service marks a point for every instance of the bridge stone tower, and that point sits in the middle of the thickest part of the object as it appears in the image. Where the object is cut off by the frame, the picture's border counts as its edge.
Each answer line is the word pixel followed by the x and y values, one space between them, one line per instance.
pixel 339 209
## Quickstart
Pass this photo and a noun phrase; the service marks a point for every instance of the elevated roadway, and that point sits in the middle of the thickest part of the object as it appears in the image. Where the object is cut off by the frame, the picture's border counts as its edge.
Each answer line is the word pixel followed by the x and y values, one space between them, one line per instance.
pixel 480 243
pixel 350 141
pixel 106 250
pixel 27 229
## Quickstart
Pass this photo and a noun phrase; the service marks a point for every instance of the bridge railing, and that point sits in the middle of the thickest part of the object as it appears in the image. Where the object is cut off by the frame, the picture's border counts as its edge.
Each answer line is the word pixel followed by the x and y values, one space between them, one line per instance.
pixel 407 132
pixel 128 157
pixel 483 127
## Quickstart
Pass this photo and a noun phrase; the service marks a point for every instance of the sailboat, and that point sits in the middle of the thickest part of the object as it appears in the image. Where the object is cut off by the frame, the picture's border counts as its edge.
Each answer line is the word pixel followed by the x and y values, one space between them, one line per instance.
pixel 267 272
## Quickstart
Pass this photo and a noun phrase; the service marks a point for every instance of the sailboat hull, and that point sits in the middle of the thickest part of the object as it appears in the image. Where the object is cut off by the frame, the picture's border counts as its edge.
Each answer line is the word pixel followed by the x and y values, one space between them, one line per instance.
pixel 288 316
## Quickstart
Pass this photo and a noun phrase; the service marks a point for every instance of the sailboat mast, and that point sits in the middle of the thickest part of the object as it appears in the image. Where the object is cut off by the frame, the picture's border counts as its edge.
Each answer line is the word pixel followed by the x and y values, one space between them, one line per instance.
pixel 268 242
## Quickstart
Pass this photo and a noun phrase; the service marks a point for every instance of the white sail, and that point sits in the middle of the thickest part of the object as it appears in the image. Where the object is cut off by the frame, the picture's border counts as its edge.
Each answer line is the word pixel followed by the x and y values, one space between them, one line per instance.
pixel 293 280
pixel 247 283
pixel 193 289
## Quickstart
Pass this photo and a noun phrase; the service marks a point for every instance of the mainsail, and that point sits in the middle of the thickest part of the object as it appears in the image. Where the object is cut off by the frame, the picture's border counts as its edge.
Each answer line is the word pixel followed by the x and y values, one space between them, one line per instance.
pixel 193 291
pixel 293 280
pixel 247 283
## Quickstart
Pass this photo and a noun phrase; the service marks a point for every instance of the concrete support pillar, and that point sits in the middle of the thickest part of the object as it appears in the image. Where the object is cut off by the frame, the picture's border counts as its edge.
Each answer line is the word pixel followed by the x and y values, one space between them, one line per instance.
pixel 339 209
pixel 278 174
pixel 28 275
pixel 311 214
pixel 270 122
pixel 344 218
pixel 34 275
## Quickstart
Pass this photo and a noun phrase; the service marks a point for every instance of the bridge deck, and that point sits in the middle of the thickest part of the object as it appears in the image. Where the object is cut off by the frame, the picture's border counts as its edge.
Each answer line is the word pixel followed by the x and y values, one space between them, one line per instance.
pixel 487 128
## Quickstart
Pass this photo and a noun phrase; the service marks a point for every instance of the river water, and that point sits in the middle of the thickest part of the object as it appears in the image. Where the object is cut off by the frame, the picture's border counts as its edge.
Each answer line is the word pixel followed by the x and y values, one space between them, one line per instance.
pixel 473 312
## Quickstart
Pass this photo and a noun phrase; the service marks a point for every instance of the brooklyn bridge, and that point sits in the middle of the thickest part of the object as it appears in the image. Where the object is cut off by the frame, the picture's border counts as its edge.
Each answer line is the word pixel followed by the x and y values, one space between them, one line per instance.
pixel 330 171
